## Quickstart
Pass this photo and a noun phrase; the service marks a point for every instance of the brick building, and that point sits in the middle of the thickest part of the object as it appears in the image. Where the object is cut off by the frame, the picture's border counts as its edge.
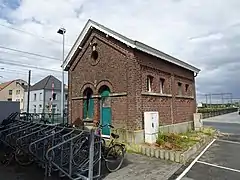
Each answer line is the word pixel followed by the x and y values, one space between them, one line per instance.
pixel 115 79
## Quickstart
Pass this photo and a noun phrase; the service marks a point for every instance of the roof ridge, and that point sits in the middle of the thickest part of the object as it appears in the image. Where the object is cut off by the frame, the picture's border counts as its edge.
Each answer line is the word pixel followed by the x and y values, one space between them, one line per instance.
pixel 7 84
pixel 49 76
pixel 129 42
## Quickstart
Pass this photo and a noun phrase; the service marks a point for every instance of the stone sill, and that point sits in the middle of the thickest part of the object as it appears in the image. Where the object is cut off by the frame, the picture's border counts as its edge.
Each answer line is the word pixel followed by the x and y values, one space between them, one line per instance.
pixel 156 94
pixel 184 97
pixel 98 96
pixel 88 120
pixel 118 94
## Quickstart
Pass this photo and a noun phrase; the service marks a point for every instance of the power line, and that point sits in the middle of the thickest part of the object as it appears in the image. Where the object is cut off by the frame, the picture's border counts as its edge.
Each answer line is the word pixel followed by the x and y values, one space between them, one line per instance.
pixel 12 53
pixel 31 34
pixel 21 74
pixel 25 65
pixel 39 55
pixel 12 71
pixel 29 57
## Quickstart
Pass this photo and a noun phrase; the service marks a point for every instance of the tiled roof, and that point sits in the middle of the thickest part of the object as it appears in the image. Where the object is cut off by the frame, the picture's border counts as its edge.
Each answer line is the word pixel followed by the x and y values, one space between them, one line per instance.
pixel 129 42
pixel 5 84
pixel 46 83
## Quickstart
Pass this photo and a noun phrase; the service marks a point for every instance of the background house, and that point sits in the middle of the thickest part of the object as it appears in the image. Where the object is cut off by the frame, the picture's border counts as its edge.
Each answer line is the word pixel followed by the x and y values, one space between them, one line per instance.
pixel 42 98
pixel 14 91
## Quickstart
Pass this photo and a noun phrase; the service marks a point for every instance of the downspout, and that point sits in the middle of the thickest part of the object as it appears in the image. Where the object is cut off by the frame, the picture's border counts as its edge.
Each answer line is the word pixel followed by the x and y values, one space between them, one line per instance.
pixel 172 89
pixel 195 97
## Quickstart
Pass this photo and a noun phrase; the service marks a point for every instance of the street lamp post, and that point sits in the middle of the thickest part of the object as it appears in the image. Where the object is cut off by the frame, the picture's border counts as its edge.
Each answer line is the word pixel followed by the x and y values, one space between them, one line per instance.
pixel 62 31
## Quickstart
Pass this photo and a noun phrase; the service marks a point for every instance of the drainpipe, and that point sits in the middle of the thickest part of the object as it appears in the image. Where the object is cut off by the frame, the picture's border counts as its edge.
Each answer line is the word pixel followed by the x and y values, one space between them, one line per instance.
pixel 195 75
pixel 172 89
pixel 172 109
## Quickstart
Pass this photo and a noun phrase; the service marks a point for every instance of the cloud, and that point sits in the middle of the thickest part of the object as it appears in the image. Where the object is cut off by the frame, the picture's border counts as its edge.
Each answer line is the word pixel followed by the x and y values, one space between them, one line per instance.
pixel 193 31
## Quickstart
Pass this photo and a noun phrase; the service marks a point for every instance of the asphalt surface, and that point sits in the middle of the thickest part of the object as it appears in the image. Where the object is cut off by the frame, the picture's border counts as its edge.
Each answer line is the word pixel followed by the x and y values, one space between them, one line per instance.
pixel 203 172
pixel 221 154
pixel 142 167
pixel 221 161
pixel 228 123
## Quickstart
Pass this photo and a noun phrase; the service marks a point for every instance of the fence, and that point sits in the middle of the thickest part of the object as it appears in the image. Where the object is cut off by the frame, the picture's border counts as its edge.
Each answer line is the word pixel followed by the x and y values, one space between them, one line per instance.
pixel 49 118
pixel 211 112
pixel 7 107
pixel 74 153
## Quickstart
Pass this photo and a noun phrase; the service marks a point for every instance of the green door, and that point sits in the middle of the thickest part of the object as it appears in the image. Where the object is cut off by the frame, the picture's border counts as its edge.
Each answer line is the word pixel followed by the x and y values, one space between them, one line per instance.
pixel 106 113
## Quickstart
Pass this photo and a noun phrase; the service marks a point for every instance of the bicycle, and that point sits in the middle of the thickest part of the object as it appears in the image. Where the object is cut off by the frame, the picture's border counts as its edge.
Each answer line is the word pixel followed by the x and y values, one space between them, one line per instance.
pixel 109 153
pixel 13 153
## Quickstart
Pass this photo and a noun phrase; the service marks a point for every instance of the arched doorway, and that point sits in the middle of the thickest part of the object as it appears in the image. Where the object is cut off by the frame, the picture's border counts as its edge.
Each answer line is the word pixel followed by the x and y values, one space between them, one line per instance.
pixel 88 104
pixel 105 109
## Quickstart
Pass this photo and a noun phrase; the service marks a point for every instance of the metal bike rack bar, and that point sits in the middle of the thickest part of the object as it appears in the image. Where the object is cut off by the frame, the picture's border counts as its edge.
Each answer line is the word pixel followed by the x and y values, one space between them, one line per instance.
pixel 72 152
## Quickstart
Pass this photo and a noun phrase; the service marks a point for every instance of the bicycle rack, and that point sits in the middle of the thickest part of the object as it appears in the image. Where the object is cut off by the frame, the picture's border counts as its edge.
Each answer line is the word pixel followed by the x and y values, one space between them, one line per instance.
pixel 72 152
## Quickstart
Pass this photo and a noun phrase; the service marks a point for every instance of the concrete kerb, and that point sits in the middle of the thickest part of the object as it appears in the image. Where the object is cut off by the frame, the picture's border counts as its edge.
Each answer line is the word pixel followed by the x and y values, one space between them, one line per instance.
pixel 171 155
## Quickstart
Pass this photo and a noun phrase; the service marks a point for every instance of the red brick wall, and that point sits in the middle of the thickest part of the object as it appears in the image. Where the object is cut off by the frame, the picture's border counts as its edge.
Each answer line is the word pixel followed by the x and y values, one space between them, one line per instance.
pixel 171 109
pixel 160 104
pixel 184 110
pixel 115 68
pixel 76 110
pixel 156 74
pixel 156 63
pixel 119 111
pixel 125 70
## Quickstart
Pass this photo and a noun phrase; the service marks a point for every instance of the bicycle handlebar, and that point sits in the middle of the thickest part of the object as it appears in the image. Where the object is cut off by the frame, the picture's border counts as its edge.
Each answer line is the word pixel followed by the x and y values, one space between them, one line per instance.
pixel 101 126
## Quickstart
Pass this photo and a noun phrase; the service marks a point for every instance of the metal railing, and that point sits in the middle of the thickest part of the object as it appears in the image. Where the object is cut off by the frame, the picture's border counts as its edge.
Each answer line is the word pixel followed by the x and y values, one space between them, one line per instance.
pixel 49 118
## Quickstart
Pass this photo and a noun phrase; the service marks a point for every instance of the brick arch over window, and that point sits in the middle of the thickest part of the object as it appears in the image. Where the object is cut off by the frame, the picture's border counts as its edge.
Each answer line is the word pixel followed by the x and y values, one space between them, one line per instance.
pixel 87 85
pixel 104 83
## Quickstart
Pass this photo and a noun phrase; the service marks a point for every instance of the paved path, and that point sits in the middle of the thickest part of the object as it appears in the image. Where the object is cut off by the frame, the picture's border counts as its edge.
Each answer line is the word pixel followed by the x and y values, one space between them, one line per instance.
pixel 142 167
pixel 135 167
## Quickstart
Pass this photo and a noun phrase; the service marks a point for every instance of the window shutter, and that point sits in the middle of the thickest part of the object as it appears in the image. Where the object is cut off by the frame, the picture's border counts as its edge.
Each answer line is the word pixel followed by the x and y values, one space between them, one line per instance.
pixel 90 108
pixel 84 109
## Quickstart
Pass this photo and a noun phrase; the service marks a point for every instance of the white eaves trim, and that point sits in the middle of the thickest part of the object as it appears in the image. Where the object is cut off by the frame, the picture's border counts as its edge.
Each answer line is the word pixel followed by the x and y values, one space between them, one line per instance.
pixel 134 44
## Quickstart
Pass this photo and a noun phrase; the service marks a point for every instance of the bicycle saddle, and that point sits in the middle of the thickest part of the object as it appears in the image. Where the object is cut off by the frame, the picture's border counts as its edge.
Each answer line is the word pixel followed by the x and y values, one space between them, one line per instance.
pixel 115 136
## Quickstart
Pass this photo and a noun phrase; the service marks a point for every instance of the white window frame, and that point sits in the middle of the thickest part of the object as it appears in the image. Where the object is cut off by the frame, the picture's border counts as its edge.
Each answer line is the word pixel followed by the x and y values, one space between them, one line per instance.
pixel 162 81
pixel 149 83
pixel 179 88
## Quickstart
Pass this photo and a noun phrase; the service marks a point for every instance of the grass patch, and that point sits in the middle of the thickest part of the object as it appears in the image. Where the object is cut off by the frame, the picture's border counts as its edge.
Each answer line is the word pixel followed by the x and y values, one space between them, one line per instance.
pixel 182 141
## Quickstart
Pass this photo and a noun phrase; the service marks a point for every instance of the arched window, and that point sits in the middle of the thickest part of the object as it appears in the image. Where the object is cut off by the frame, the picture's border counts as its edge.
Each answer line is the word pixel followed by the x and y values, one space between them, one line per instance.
pixel 104 91
pixel 88 104
pixel 149 83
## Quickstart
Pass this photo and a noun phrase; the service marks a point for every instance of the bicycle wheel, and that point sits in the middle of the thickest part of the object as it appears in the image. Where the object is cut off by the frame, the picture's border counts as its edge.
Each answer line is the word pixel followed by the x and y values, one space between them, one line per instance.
pixel 22 158
pixel 114 158
pixel 8 159
pixel 103 145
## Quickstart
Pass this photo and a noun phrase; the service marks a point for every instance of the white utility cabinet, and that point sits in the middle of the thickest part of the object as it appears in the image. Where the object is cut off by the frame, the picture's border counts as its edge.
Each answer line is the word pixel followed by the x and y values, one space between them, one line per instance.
pixel 151 125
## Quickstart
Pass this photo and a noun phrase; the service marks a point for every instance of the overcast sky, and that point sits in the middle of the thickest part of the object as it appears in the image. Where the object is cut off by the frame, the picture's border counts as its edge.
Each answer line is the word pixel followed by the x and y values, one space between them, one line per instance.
pixel 203 33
